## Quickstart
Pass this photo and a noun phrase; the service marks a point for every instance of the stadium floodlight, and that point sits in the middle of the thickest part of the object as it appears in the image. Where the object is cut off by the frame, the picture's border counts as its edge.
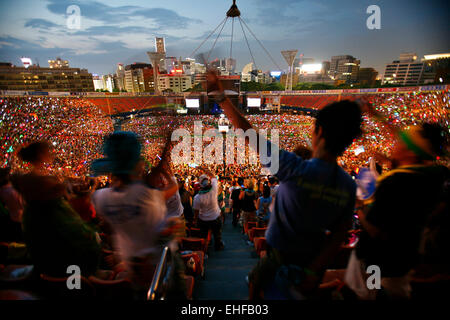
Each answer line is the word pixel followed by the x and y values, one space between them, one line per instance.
pixel 289 56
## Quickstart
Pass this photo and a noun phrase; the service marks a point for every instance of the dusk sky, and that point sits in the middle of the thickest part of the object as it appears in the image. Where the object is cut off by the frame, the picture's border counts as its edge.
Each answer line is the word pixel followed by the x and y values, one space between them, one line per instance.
pixel 116 31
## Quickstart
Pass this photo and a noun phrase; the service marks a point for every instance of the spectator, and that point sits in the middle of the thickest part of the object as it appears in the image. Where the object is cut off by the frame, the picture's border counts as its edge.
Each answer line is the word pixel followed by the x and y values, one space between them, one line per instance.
pixel 11 209
pixel 206 208
pixel 314 204
pixel 186 201
pixel 135 211
pixel 235 191
pixel 394 220
pixel 247 198
pixel 263 207
pixel 54 233
pixel 81 202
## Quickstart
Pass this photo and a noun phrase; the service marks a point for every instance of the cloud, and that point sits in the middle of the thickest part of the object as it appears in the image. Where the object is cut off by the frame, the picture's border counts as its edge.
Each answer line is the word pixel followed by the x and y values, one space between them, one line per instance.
pixel 39 24
pixel 97 11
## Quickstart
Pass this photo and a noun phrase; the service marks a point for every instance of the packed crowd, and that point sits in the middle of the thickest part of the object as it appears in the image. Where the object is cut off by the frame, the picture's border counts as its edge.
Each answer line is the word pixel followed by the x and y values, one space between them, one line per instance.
pixel 114 228
pixel 74 127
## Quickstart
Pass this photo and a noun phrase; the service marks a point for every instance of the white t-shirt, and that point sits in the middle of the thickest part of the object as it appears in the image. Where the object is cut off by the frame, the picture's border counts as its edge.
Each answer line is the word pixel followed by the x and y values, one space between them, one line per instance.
pixel 174 206
pixel 207 204
pixel 137 214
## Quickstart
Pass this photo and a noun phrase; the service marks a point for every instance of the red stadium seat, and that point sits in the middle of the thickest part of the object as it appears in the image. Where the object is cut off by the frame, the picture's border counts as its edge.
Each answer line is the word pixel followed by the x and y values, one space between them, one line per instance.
pixel 256 232
pixel 56 288
pixel 112 289
pixel 250 225
pixel 194 244
pixel 189 287
pixel 199 260
pixel 260 244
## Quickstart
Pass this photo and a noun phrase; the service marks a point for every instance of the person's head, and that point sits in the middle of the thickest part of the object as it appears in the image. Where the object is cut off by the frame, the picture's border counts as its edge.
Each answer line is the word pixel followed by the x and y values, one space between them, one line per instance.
pixel 249 184
pixel 240 181
pixel 205 182
pixel 123 157
pixel 266 191
pixel 419 144
pixel 272 181
pixel 336 126
pixel 36 153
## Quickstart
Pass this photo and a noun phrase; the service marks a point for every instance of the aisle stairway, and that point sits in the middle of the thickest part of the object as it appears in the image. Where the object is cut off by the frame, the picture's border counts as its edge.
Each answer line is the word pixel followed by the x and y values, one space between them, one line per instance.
pixel 225 271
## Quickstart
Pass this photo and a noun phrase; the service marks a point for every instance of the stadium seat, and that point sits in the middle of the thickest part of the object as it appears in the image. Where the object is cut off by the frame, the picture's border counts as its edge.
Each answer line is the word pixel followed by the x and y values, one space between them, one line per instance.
pixel 189 287
pixel 260 244
pixel 56 288
pixel 262 254
pixel 333 274
pixel 249 225
pixel 16 295
pixel 430 288
pixel 256 232
pixel 194 244
pixel 199 260
pixel 16 276
pixel 111 289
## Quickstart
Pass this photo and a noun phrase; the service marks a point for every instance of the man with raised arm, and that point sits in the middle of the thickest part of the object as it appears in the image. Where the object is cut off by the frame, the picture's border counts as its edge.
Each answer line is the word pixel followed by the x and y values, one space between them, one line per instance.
pixel 313 207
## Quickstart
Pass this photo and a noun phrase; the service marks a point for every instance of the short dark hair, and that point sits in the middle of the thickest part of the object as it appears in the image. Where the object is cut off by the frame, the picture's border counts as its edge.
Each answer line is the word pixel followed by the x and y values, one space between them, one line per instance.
pixel 272 179
pixel 340 123
pixel 266 191
pixel 33 151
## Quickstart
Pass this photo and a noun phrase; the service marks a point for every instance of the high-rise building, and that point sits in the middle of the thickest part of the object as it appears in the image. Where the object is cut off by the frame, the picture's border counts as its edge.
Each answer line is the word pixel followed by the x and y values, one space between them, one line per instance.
pixel 344 68
pixel 98 82
pixel 160 46
pixel 230 65
pixel 108 82
pixel 440 64
pixel 174 82
pixel 58 63
pixel 139 77
pixel 407 71
pixel 120 77
pixel 326 67
pixel 367 76
pixel 35 78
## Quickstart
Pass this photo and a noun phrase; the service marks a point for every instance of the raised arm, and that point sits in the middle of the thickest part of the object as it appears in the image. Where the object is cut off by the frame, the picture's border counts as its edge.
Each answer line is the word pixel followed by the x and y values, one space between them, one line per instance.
pixel 237 119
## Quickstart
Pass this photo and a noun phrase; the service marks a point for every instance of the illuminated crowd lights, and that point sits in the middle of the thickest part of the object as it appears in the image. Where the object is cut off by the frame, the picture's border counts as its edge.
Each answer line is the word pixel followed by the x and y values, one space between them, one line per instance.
pixel 75 128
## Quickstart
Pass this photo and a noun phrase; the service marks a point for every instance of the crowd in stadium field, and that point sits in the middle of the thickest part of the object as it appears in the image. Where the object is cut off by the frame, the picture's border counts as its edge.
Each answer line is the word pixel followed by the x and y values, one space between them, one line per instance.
pixel 76 128
pixel 114 228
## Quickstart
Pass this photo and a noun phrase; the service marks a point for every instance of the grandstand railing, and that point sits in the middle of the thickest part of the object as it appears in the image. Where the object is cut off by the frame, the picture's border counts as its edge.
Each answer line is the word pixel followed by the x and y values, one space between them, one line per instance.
pixel 161 277
pixel 184 94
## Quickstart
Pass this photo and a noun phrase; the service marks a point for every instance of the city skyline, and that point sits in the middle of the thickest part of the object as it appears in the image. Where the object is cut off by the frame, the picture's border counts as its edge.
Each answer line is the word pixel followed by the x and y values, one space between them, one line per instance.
pixel 112 32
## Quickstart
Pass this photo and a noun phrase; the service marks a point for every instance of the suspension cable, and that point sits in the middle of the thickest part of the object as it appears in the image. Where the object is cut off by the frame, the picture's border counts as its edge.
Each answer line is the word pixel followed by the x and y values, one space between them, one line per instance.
pixel 193 52
pixel 248 45
pixel 231 45
pixel 212 48
pixel 267 52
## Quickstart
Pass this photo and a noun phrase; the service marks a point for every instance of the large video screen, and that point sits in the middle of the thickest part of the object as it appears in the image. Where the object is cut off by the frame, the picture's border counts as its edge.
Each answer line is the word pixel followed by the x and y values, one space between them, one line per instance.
pixel 192 103
pixel 254 102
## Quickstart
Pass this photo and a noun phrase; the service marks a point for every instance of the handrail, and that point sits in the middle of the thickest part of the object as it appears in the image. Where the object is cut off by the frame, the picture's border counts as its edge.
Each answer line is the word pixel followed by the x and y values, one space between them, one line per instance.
pixel 151 294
